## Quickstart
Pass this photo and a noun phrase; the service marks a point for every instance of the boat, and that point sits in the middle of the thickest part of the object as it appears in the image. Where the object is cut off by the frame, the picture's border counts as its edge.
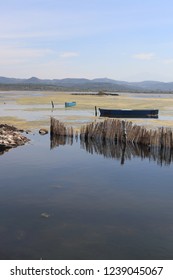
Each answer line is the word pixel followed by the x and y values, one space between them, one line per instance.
pixel 129 113
pixel 70 104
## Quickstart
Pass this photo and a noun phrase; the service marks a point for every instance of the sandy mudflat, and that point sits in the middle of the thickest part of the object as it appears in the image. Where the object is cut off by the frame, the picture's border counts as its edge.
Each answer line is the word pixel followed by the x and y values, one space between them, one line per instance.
pixel 84 111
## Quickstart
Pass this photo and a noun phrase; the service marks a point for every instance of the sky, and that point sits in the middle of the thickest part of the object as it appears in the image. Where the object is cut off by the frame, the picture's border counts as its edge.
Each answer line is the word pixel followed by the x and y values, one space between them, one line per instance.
pixel 130 40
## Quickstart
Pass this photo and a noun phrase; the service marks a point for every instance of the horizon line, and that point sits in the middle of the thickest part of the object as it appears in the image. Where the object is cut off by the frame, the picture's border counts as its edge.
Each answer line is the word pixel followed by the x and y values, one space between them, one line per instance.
pixel 89 79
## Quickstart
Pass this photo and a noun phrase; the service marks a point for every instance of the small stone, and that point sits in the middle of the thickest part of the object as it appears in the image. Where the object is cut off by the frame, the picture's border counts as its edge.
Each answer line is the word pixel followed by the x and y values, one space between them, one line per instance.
pixel 45 215
pixel 43 131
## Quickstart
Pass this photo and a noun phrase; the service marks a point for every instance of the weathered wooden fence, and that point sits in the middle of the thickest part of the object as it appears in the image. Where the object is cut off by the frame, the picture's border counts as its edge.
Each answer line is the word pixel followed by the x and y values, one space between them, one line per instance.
pixel 117 139
pixel 117 131
pixel 60 134
pixel 125 132
pixel 59 129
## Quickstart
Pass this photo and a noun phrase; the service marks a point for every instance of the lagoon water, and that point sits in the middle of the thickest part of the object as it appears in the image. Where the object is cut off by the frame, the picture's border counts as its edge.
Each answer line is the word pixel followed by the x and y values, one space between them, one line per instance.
pixel 80 202
pixel 42 112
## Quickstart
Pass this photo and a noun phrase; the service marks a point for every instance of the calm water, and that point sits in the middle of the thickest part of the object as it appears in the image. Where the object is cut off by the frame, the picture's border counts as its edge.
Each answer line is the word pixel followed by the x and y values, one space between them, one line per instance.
pixel 83 201
pixel 42 112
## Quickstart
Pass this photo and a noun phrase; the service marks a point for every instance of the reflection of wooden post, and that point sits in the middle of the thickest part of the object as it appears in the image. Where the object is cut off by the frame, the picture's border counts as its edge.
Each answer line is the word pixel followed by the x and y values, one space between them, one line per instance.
pixel 161 145
pixel 161 138
pixel 124 140
pixel 95 111
pixel 123 154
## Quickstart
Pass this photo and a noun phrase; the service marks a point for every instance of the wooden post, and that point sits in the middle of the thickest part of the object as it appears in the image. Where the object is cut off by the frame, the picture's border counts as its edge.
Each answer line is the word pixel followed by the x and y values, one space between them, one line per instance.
pixel 95 111
pixel 124 134
pixel 52 104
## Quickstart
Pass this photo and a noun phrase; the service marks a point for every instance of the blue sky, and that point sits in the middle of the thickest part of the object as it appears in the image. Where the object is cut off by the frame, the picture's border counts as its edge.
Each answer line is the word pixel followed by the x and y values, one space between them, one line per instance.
pixel 120 39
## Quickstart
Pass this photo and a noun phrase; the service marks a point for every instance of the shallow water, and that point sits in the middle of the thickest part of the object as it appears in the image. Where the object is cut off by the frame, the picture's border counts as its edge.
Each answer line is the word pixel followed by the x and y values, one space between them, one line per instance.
pixel 43 112
pixel 39 112
pixel 76 202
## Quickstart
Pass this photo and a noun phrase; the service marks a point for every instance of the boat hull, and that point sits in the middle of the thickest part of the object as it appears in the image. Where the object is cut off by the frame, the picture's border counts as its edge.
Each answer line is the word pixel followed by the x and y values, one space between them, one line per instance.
pixel 125 113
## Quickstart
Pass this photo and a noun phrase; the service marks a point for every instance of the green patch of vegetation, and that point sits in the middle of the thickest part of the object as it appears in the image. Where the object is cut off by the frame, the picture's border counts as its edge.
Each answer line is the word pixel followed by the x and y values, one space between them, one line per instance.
pixel 23 124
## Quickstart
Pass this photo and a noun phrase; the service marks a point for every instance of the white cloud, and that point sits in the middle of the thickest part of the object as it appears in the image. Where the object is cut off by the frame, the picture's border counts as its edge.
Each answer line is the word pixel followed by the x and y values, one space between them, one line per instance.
pixel 69 54
pixel 168 61
pixel 15 54
pixel 144 56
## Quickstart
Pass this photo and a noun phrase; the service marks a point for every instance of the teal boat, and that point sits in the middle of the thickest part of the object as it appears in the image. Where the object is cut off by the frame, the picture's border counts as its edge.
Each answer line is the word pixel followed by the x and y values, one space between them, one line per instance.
pixel 70 104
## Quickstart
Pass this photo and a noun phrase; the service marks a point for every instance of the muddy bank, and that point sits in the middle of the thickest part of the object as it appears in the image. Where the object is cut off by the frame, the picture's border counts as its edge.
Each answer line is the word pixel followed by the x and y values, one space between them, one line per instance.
pixel 11 137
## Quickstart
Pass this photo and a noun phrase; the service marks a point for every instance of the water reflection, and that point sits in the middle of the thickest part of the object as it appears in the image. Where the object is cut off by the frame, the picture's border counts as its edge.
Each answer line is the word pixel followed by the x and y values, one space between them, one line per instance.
pixel 123 152
pixel 3 150
pixel 60 140
pixel 66 204
pixel 119 151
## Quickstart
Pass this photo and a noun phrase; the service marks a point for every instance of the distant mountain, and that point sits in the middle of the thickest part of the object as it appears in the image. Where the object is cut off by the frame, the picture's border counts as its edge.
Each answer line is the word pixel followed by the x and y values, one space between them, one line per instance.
pixel 104 80
pixel 82 84
pixel 155 85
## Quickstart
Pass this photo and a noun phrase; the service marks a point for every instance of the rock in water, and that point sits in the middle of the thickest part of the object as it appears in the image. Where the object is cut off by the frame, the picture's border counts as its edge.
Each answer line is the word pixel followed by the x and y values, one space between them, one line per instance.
pixel 11 137
pixel 43 131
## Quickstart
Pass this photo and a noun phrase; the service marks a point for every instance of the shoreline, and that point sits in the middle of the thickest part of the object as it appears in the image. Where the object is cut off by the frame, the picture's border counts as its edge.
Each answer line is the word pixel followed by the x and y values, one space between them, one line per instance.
pixel 32 110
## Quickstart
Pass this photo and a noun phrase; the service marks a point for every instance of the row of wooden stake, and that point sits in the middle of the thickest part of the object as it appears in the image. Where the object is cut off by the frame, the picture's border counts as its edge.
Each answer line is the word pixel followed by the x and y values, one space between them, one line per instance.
pixel 117 131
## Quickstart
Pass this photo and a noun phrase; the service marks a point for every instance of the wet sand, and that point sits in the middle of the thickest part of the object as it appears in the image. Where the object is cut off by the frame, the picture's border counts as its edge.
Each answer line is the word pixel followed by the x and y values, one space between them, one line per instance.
pixel 32 109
